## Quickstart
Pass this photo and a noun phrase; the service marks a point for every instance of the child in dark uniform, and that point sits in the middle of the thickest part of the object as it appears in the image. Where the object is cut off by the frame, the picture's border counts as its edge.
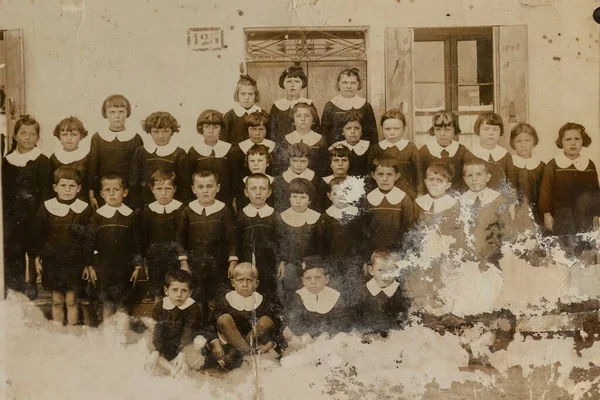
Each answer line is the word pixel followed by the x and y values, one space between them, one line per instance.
pixel 27 183
pixel 257 161
pixel 111 150
pixel 159 221
pixel 246 96
pixel 72 150
pixel 58 246
pixel 113 253
pixel 206 232
pixel 160 151
pixel 359 148
pixel 339 163
pixel 246 321
pixel 211 153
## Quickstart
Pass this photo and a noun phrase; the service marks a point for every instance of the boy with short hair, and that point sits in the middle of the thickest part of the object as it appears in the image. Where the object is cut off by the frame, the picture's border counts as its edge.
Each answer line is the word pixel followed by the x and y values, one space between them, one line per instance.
pixel 257 161
pixel 257 123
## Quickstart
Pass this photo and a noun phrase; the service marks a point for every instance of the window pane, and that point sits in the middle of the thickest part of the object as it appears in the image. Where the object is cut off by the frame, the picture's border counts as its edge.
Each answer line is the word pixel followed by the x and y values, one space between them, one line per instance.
pixel 475 74
pixel 430 96
pixel 470 99
pixel 428 59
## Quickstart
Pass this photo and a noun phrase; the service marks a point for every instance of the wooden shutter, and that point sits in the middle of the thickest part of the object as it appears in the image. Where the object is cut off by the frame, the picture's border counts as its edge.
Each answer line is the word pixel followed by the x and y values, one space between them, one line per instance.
pixel 399 73
pixel 15 78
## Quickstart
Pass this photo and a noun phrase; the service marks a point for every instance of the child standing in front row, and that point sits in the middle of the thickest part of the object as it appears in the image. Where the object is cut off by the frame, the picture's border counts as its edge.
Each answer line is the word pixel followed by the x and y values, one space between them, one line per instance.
pixel 246 96
pixel 111 149
pixel 359 148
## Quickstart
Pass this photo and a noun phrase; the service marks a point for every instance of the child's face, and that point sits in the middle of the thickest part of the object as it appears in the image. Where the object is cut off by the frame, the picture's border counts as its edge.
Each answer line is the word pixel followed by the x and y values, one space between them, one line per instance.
pixel 315 280
pixel 348 85
pixel 303 119
pixel 524 144
pixel 299 164
pixel 244 282
pixel 116 117
pixel 257 133
pixel 163 192
pixel 211 133
pixel 292 87
pixel 338 196
pixel 393 130
pixel 258 191
pixel 489 135
pixel 161 136
pixel 246 95
pixel 299 202
pixel 572 143
pixel 385 177
pixel 205 189
pixel 339 165
pixel 382 273
pixel 436 184
pixel 70 139
pixel 257 163
pixel 66 189
pixel 444 135
pixel 113 192
pixel 178 292
pixel 476 177
pixel 352 132
pixel 27 137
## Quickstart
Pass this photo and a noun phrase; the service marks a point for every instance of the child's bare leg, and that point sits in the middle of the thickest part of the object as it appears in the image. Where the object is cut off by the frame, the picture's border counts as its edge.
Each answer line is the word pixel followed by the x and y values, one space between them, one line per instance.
pixel 166 365
pixel 226 326
pixel 72 307
pixel 152 361
pixel 58 306
pixel 260 335
pixel 108 310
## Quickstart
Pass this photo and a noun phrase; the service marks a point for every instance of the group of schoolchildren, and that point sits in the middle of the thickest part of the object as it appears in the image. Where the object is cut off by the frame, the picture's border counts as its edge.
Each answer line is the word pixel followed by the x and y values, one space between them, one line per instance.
pixel 256 230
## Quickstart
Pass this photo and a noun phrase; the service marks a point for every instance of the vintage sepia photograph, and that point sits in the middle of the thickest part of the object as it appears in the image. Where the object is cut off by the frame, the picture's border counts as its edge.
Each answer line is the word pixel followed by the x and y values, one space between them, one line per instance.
pixel 300 199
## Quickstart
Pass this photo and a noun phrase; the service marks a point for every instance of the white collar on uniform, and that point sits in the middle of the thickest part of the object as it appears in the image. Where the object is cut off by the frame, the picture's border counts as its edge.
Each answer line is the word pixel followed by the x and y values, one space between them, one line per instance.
pixel 394 196
pixel 321 302
pixel 486 196
pixel 246 144
pixel 161 151
pixel 21 159
pixel 530 163
pixel 342 213
pixel 296 219
pixel 289 175
pixel 310 138
pixel 240 111
pixel 242 303
pixel 285 104
pixel 213 208
pixel 328 179
pixel 245 179
pixel 400 144
pixel 440 204
pixel 347 103
pixel 59 209
pixel 165 209
pixel 122 136
pixel 436 150
pixel 167 304
pixel 109 211
pixel 497 153
pixel 580 163
pixel 221 148
pixel 389 291
pixel 263 212
pixel 359 148
pixel 68 157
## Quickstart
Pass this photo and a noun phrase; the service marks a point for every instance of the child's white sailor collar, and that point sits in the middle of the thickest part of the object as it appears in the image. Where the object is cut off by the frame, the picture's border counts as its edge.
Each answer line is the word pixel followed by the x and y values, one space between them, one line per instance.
pixel 394 196
pixel 59 209
pixel 161 151
pixel 342 213
pixel 296 219
pixel 220 148
pixel 400 144
pixel 321 302
pixel 122 136
pixel 263 212
pixel 311 138
pixel 242 303
pixel 440 204
pixel 109 211
pixel 359 148
pixel 530 163
pixel 21 159
pixel 167 304
pixel 497 153
pixel 436 150
pixel 348 103
pixel 328 179
pixel 246 144
pixel 486 196
pixel 389 290
pixel 580 163
pixel 240 111
pixel 244 179
pixel 68 157
pixel 285 104
pixel 165 209
pixel 289 175
pixel 213 208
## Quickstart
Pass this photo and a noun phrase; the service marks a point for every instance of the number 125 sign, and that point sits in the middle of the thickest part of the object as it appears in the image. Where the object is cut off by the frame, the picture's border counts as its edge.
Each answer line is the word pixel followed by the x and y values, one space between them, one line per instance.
pixel 203 39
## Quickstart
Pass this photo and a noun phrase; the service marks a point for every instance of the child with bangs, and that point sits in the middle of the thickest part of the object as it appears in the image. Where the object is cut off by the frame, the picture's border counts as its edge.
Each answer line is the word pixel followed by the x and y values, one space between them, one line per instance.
pixel 257 161
pixel 246 97
pixel 359 148
pixel 339 164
